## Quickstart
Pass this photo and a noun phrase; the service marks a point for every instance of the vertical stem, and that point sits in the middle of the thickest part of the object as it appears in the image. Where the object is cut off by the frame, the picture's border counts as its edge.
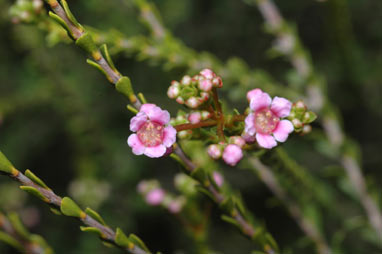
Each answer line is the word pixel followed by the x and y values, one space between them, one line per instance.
pixel 219 115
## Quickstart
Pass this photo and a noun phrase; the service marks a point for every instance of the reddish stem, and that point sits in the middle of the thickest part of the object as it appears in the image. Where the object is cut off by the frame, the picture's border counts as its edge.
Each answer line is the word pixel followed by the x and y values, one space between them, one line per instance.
pixel 188 126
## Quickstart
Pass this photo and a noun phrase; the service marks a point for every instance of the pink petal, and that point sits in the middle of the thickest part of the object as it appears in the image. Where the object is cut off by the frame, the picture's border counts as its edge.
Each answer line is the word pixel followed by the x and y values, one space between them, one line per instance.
pixel 260 101
pixel 137 121
pixel 134 142
pixel 253 93
pixel 147 107
pixel 281 106
pixel 250 124
pixel 282 130
pixel 169 136
pixel 266 141
pixel 155 151
pixel 158 115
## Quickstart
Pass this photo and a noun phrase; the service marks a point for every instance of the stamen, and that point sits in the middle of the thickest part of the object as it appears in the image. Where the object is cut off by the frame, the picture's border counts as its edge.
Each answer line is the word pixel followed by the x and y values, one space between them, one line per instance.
pixel 151 134
pixel 265 121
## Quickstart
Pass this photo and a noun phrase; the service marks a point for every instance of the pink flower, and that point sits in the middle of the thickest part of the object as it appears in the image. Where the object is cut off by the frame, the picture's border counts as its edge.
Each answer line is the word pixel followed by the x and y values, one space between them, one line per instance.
pixel 218 178
pixel 264 122
pixel 155 196
pixel 153 134
pixel 232 154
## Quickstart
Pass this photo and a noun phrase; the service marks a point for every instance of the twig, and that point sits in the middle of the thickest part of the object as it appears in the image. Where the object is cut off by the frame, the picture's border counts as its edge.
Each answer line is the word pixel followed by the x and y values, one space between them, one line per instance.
pixel 270 180
pixel 55 201
pixel 28 246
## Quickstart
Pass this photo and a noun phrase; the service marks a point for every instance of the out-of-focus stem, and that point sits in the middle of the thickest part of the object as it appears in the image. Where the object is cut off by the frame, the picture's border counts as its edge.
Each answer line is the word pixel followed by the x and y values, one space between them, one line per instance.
pixel 55 201
pixel 270 180
pixel 331 123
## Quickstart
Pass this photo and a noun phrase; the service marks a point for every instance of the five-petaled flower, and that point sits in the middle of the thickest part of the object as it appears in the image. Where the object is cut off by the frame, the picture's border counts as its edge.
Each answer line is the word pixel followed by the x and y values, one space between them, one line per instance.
pixel 153 134
pixel 264 122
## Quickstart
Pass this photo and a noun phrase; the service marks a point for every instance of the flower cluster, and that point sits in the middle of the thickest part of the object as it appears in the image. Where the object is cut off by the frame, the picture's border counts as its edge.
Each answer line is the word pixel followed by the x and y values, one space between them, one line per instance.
pixel 153 136
pixel 194 91
pixel 266 121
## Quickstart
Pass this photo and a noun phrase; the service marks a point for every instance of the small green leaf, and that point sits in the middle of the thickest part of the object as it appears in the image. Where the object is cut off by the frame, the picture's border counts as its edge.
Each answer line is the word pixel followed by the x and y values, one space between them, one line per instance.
pixel 97 66
pixel 132 109
pixel 95 215
pixel 70 208
pixel 135 239
pixel 86 43
pixel 35 179
pixel 105 53
pixel 55 211
pixel 122 240
pixel 107 244
pixel 70 15
pixel 92 230
pixel 124 86
pixel 11 241
pixel 62 23
pixel 228 205
pixel 5 165
pixel 309 117
pixel 35 192
pixel 18 225
pixel 204 191
pixel 230 220
pixel 142 98
pixel 199 174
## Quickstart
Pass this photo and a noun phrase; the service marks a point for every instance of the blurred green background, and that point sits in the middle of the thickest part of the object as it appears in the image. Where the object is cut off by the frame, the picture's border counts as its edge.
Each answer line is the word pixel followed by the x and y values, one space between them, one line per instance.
pixel 60 118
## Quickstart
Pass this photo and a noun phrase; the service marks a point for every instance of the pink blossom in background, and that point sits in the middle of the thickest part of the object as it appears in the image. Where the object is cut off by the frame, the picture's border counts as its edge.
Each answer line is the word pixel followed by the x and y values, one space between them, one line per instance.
pixel 218 178
pixel 153 133
pixel 155 196
pixel 232 154
pixel 264 122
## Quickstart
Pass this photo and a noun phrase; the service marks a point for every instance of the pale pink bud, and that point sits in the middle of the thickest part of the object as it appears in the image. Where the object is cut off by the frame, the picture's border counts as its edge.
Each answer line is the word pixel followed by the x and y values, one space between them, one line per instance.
pixel 205 96
pixel 205 85
pixel 208 74
pixel 297 123
pixel 205 115
pixel 237 140
pixel 155 196
pixel 192 102
pixel 218 178
pixel 173 91
pixel 232 154
pixel 214 151
pixel 176 205
pixel 180 100
pixel 142 187
pixel 217 82
pixel 194 117
pixel 186 80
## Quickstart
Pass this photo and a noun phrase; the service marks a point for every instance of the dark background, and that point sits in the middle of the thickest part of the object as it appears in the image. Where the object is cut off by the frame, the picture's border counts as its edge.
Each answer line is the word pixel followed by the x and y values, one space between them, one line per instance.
pixel 60 118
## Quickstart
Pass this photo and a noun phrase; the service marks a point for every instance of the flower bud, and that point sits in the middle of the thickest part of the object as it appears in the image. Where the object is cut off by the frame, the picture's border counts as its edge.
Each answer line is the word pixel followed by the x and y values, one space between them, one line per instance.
pixel 237 140
pixel 232 154
pixel 215 151
pixel 155 196
pixel 192 102
pixel 194 117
